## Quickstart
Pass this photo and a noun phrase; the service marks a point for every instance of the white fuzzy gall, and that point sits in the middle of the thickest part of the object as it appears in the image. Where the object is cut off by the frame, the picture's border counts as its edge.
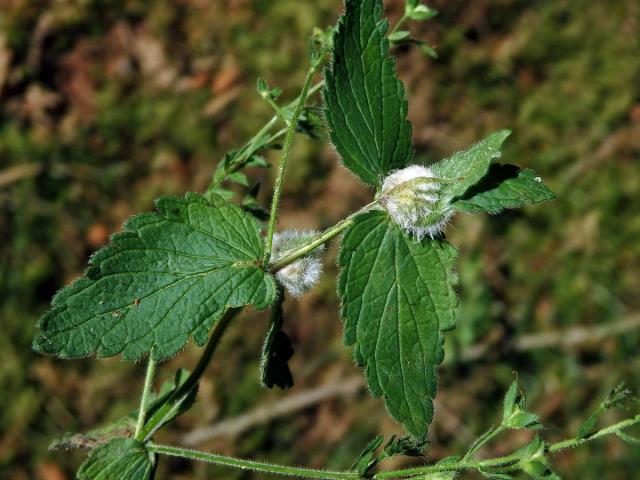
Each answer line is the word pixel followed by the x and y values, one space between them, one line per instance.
pixel 302 275
pixel 411 197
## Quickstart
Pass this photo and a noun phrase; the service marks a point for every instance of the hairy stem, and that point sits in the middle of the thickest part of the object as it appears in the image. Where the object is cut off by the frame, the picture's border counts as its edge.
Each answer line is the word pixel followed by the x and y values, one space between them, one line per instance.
pixel 144 399
pixel 249 148
pixel 401 22
pixel 319 239
pixel 612 429
pixel 286 149
pixel 274 469
pixel 158 418
pixel 505 460
pixel 173 402
pixel 483 440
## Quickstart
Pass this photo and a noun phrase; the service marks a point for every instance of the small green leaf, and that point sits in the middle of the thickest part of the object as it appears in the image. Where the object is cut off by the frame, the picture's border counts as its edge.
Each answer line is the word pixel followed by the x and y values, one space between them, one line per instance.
pixel 468 167
pixel 504 186
pixel 365 102
pixel 397 297
pixel 250 204
pixel 399 36
pixel 368 458
pixel 311 123
pixel 169 402
pixel 615 398
pixel 427 49
pixel 533 460
pixel 266 92
pixel 238 158
pixel 221 192
pixel 421 13
pixel 514 414
pixel 276 351
pixel 169 275
pixel 261 87
pixel 404 446
pixel 119 459
pixel 238 177
pixel 631 440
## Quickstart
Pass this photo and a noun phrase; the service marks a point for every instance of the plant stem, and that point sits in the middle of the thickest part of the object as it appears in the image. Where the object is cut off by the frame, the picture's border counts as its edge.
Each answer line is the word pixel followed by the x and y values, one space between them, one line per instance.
pixel 144 399
pixel 401 22
pixel 299 472
pixel 173 402
pixel 249 147
pixel 412 472
pixel 612 429
pixel 483 440
pixel 286 149
pixel 318 240
pixel 279 112
pixel 506 459
pixel 157 420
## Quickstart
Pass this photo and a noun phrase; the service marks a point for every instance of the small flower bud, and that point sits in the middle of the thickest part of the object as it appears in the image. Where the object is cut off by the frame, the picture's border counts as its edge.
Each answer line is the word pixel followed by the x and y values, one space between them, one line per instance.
pixel 411 197
pixel 302 275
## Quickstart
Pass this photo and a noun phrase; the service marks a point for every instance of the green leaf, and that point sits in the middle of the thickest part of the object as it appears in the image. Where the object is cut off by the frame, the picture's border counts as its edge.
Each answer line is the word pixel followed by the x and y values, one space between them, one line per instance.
pixel 420 12
pixel 365 102
pixel 120 459
pixel 441 476
pixel 514 414
pixel 630 439
pixel 494 475
pixel 504 186
pixel 368 458
pixel 266 92
pixel 276 351
pixel 533 460
pixel 426 48
pixel 615 398
pixel 168 400
pixel 468 167
pixel 399 36
pixel 404 446
pixel 310 123
pixel 169 275
pixel 238 177
pixel 397 297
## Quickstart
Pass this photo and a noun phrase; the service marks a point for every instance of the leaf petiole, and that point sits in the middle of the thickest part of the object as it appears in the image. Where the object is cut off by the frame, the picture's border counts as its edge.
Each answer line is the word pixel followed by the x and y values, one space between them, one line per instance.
pixel 172 403
pixel 286 150
pixel 144 399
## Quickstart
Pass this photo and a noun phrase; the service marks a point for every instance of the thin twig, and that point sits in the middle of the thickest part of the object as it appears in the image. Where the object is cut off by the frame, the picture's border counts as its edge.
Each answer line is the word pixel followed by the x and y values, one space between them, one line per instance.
pixel 18 172
pixel 567 338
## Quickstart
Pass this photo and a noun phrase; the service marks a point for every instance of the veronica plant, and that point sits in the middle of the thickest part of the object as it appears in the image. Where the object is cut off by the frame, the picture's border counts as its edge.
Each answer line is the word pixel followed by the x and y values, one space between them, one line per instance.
pixel 185 270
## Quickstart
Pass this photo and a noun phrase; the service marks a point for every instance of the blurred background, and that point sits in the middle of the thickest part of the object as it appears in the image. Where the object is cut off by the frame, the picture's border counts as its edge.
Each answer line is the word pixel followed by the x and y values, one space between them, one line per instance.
pixel 108 104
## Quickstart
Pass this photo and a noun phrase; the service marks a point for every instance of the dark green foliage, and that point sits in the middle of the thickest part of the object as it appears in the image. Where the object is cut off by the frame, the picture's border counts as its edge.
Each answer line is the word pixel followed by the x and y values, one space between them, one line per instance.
pixel 366 106
pixel 397 297
pixel 277 350
pixel 167 276
pixel 120 459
